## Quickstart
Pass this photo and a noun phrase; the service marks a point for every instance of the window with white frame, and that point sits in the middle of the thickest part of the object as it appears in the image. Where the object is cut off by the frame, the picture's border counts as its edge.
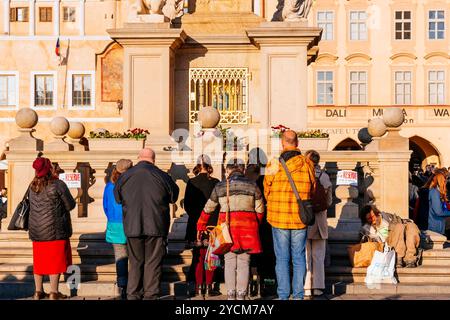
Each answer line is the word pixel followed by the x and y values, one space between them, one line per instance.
pixel 403 87
pixel 325 86
pixel 358 26
pixel 44 93
pixel 358 87
pixel 69 14
pixel 436 87
pixel 81 90
pixel 19 14
pixel 325 21
pixel 403 23
pixel 436 24
pixel 8 91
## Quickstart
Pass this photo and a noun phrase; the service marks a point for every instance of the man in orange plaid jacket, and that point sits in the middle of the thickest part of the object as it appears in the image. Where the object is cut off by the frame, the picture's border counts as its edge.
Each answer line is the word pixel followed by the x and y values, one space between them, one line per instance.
pixel 289 232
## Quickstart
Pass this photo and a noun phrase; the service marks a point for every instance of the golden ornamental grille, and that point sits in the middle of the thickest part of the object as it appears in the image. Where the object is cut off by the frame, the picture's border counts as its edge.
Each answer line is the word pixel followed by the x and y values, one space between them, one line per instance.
pixel 225 89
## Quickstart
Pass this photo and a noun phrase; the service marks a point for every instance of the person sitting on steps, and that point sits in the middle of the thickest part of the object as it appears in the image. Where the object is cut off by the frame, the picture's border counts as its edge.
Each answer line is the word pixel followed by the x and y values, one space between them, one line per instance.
pixel 402 235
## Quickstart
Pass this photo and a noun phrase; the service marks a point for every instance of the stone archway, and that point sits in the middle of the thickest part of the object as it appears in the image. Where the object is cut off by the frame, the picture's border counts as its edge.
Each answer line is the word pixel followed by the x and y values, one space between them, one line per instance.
pixel 423 153
pixel 347 144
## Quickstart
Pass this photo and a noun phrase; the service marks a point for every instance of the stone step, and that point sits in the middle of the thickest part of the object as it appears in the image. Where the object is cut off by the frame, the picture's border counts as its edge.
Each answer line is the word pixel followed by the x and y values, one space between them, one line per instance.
pixel 107 272
pixel 412 288
pixel 421 274
pixel 20 290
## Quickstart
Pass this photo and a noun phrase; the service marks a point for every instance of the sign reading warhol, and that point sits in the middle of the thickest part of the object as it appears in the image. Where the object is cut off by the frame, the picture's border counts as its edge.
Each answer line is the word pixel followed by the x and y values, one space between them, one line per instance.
pixel 347 178
pixel 72 180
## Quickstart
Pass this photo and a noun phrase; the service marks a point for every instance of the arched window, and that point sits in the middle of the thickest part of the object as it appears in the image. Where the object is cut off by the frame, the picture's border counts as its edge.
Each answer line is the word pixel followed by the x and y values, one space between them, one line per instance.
pixel 347 144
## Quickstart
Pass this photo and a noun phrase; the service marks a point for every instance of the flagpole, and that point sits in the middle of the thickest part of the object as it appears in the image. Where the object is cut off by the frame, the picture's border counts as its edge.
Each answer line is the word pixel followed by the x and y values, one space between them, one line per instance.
pixel 65 74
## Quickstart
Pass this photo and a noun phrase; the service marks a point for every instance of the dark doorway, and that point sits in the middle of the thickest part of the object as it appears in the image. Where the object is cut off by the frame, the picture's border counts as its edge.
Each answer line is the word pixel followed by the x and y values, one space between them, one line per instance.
pixel 347 145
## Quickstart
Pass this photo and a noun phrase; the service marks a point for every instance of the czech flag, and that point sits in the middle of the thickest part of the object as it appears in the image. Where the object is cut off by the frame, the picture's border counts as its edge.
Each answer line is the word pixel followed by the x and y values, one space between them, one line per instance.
pixel 58 54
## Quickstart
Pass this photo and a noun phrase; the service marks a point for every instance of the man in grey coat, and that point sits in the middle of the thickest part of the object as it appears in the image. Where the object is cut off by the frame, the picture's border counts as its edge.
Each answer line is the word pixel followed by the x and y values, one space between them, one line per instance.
pixel 317 236
pixel 145 192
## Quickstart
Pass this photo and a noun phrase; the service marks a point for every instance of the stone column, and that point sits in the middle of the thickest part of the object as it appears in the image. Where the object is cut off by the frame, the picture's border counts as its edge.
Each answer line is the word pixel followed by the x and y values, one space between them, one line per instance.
pixel 56 17
pixel 149 53
pixel 32 18
pixel 284 55
pixel 6 18
pixel 81 19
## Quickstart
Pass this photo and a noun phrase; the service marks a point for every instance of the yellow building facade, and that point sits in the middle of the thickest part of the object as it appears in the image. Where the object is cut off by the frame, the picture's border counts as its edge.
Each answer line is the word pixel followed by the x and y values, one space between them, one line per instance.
pixel 373 55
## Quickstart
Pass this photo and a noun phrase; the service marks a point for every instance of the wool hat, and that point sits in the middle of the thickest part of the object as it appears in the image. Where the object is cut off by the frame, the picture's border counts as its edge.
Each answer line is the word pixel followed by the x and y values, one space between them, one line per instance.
pixel 42 166
pixel 123 165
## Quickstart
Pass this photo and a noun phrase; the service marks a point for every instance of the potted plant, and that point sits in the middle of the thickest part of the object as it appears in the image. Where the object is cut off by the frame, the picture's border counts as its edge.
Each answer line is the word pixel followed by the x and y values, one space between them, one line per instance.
pixel 103 140
pixel 307 140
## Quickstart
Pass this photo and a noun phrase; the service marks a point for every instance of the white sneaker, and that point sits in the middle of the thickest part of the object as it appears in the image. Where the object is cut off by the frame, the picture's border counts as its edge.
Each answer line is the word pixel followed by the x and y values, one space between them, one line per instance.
pixel 318 292
pixel 308 293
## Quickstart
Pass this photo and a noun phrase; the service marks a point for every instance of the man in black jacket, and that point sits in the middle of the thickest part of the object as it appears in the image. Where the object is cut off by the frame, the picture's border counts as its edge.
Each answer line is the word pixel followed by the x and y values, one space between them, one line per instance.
pixel 145 193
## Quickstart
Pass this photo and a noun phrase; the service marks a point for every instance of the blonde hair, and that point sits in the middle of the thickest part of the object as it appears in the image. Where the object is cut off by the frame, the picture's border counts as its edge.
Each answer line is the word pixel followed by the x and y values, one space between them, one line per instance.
pixel 439 181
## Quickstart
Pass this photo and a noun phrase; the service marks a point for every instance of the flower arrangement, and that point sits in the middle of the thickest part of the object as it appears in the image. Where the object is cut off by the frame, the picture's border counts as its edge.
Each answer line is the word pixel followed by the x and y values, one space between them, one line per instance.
pixel 278 130
pixel 136 133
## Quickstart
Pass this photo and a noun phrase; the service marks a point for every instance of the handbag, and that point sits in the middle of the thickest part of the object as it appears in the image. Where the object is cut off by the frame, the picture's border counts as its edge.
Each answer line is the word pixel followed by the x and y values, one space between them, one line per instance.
pixel 220 239
pixel 212 261
pixel 19 220
pixel 306 212
pixel 361 254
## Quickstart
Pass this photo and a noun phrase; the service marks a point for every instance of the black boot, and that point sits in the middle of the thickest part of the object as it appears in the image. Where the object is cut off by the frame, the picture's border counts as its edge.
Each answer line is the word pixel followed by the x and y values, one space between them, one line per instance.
pixel 123 293
pixel 211 292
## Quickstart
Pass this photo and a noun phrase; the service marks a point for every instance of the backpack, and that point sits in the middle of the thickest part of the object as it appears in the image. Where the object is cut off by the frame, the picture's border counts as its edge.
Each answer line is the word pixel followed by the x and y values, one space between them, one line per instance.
pixel 319 199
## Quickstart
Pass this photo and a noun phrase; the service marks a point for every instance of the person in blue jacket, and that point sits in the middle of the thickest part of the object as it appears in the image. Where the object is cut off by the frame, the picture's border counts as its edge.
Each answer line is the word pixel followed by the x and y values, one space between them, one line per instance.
pixel 114 229
pixel 437 199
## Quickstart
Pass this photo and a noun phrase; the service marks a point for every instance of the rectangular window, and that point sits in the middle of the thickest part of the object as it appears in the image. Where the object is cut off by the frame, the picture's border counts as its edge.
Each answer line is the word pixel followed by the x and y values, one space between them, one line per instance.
pixel 69 14
pixel 325 21
pixel 358 87
pixel 403 87
pixel 19 14
pixel 436 24
pixel 436 87
pixel 8 94
pixel 325 87
pixel 45 14
pixel 81 90
pixel 403 24
pixel 358 27
pixel 43 90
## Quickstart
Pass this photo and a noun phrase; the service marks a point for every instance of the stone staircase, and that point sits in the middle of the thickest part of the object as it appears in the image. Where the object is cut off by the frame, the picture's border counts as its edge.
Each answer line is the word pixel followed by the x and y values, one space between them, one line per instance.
pixel 431 277
pixel 95 258
pixel 98 274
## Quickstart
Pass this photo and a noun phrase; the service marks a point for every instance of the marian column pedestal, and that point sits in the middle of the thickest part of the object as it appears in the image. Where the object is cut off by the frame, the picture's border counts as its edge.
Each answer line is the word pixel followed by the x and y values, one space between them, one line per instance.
pixel 149 50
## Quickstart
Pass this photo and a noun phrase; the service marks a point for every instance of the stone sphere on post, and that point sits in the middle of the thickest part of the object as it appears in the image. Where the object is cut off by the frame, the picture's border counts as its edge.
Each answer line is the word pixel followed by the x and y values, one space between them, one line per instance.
pixel 76 130
pixel 364 136
pixel 393 117
pixel 208 117
pixel 376 127
pixel 26 118
pixel 59 126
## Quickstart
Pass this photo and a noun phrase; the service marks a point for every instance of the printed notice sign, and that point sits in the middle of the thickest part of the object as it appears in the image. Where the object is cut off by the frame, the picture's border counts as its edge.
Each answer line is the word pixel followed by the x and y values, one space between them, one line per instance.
pixel 72 180
pixel 347 178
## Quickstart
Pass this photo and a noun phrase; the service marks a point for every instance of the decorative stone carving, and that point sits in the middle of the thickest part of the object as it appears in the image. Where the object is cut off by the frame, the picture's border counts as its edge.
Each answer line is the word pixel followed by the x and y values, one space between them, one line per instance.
pixel 364 136
pixel 296 10
pixel 393 117
pixel 173 9
pixel 76 130
pixel 376 127
pixel 26 118
pixel 59 126
pixel 209 117
pixel 154 11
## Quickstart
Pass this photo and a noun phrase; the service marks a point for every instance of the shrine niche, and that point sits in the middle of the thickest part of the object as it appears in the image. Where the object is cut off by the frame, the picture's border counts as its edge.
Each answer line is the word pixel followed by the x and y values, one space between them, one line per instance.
pixel 111 64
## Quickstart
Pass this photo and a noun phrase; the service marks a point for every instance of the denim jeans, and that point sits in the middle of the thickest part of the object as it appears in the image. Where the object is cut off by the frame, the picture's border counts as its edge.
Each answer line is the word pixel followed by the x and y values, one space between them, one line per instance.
pixel 290 243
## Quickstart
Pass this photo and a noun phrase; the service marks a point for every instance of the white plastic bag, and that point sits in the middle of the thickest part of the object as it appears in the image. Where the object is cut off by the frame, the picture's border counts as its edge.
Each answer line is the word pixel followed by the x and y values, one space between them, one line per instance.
pixel 382 267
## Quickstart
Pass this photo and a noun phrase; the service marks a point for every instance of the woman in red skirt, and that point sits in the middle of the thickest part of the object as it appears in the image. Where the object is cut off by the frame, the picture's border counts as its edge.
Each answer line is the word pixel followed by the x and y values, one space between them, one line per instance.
pixel 50 227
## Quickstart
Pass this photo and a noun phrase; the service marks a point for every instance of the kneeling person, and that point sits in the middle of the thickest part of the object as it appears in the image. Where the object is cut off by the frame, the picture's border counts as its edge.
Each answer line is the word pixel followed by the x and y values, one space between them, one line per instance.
pixel 401 234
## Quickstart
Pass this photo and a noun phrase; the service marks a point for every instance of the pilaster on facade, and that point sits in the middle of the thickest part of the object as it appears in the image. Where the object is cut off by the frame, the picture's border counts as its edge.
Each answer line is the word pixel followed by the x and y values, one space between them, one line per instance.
pixel 57 19
pixel 6 17
pixel 32 20
pixel 82 18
